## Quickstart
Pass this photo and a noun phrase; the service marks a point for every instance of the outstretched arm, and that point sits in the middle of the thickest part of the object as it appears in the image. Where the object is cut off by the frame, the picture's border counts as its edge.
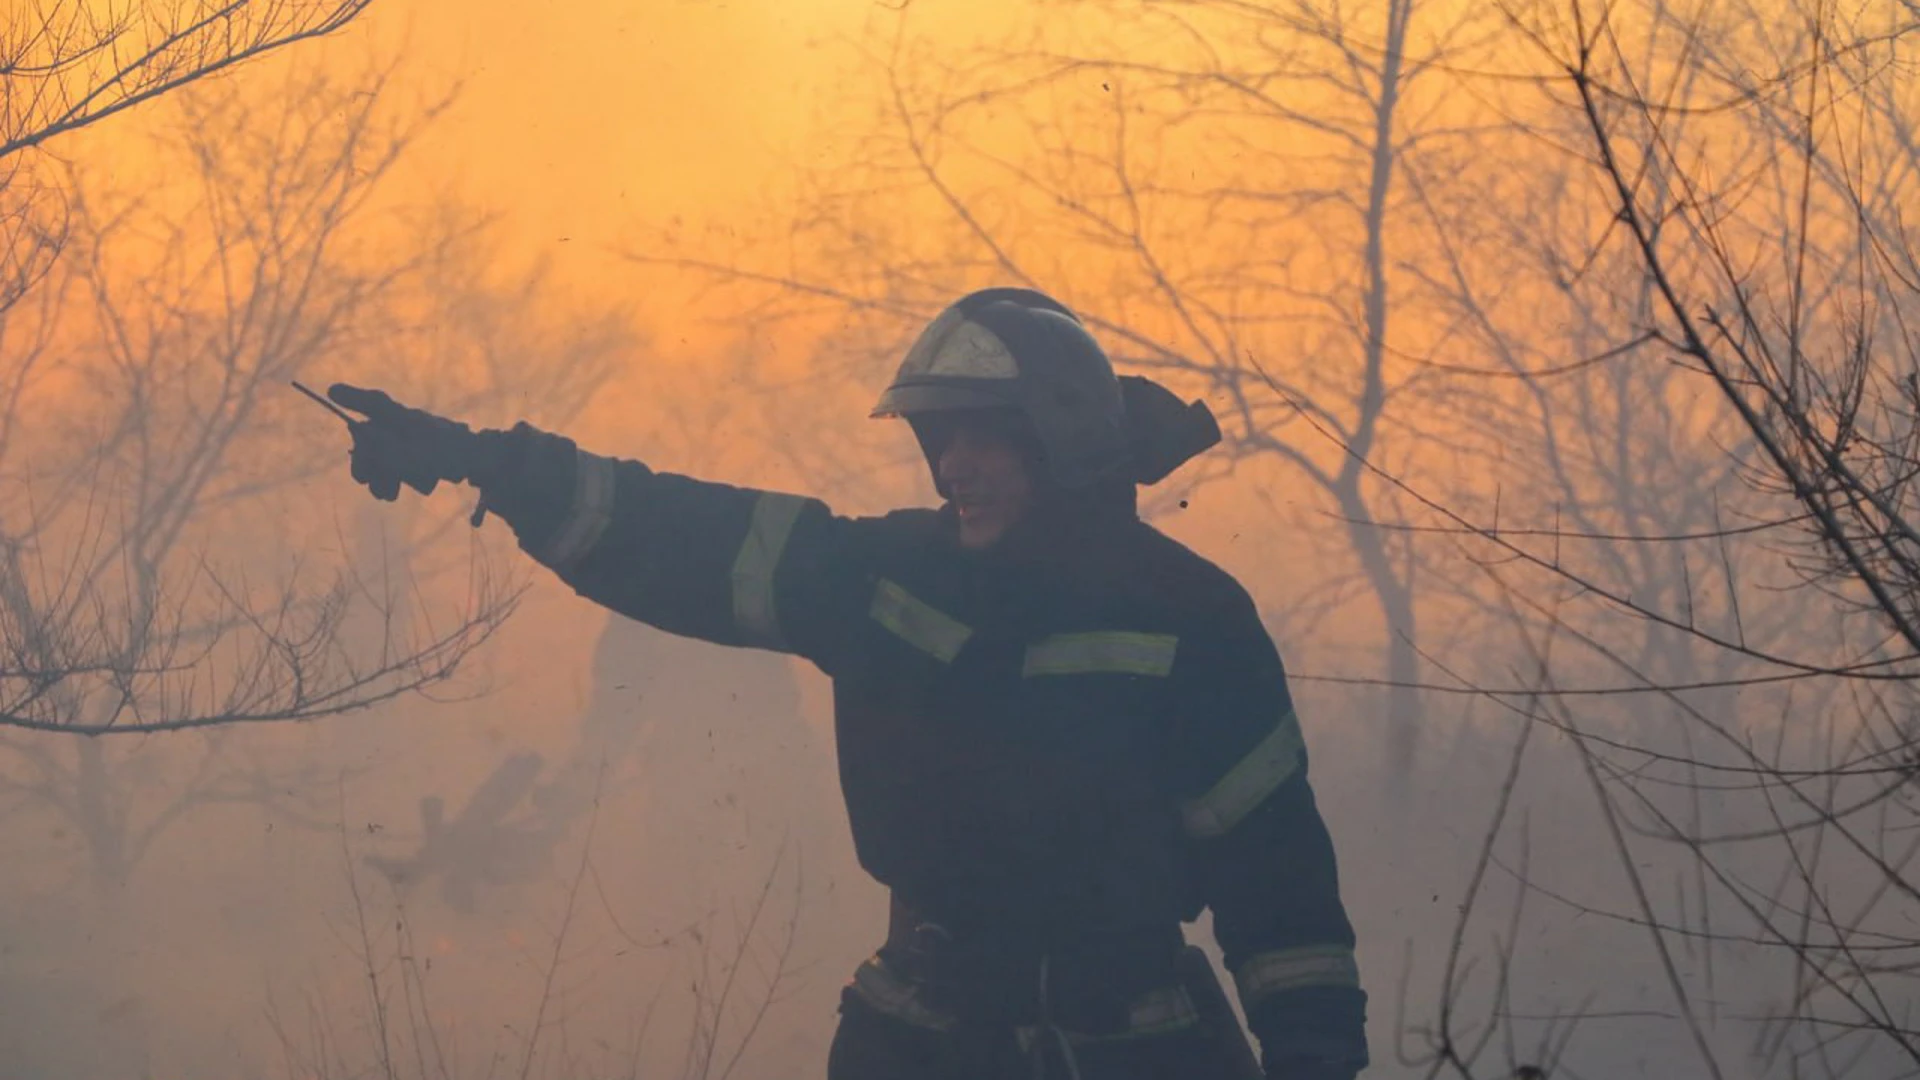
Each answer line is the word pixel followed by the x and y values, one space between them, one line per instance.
pixel 724 564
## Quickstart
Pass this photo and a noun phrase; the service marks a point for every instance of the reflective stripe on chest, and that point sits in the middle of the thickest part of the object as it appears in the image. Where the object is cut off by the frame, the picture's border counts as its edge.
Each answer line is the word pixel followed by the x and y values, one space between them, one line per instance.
pixel 1271 763
pixel 918 623
pixel 1110 652
pixel 1094 652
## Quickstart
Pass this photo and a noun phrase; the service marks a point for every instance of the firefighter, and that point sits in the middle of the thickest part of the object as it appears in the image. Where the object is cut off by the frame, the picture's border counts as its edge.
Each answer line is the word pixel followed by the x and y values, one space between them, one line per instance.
pixel 1061 734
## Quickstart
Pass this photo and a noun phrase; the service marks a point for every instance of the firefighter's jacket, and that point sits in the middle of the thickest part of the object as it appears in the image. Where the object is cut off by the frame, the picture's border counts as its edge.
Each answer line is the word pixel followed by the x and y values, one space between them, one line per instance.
pixel 1082 728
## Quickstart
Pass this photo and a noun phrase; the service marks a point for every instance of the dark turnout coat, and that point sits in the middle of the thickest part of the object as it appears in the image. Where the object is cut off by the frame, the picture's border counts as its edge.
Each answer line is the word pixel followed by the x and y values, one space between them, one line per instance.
pixel 1083 729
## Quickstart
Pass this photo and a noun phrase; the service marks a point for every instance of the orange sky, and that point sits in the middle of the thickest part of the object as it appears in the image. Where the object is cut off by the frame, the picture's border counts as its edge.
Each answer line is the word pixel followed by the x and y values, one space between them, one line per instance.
pixel 588 119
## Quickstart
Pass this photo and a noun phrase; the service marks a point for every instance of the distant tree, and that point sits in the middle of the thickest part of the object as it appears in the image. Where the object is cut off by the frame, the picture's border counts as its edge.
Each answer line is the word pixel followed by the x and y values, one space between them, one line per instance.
pixel 146 579
pixel 158 572
pixel 1155 172
pixel 1655 275
pixel 68 64
pixel 167 416
pixel 1743 177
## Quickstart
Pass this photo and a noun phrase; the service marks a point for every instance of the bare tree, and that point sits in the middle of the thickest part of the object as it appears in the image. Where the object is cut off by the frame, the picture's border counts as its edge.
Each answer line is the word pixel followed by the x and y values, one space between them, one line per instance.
pixel 65 64
pixel 1787 285
pixel 167 421
pixel 152 501
pixel 1738 198
pixel 1157 163
pixel 1629 541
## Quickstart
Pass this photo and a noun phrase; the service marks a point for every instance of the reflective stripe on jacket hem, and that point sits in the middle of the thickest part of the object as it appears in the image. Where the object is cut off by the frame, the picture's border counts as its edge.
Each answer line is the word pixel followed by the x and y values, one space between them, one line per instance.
pixel 1156 1012
pixel 883 988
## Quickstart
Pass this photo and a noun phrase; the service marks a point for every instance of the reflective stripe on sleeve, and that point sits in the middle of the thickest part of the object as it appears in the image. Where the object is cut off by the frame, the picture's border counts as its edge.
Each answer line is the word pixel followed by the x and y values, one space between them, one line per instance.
pixel 1295 969
pixel 1104 652
pixel 933 632
pixel 593 486
pixel 754 612
pixel 1247 784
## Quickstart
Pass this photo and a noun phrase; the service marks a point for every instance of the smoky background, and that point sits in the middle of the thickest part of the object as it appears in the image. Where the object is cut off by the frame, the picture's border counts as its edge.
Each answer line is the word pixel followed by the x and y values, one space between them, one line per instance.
pixel 1563 356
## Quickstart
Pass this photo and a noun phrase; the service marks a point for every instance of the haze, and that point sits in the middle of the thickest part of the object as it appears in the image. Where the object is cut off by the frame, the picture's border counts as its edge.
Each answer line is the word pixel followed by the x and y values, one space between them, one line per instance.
pixel 1571 484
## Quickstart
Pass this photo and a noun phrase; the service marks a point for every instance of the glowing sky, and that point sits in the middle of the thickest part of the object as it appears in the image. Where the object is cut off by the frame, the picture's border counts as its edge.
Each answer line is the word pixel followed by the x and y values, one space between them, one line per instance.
pixel 582 118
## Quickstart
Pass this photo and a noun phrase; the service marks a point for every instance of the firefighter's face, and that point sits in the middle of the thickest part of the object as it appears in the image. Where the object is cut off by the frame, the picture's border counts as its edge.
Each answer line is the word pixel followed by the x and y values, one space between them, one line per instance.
pixel 987 477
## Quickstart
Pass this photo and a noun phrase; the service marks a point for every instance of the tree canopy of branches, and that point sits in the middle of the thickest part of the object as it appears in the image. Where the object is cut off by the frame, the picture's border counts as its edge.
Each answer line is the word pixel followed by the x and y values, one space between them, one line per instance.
pixel 1591 320
pixel 134 439
pixel 1221 189
pixel 68 64
pixel 1734 188
pixel 65 64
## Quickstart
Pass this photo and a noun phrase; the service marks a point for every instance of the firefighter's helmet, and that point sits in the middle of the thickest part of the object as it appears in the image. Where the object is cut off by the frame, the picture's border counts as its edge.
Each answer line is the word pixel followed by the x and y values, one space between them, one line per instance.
pixel 1021 350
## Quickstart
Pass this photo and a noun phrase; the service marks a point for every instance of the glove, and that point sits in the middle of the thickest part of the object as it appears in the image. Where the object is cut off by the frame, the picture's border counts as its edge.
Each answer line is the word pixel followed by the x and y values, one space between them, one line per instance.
pixel 396 444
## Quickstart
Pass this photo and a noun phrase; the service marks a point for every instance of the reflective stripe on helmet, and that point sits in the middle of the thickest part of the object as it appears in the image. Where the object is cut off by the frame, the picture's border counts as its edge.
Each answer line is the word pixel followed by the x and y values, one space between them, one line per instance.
pixel 1116 652
pixel 957 347
pixel 592 512
pixel 1294 969
pixel 754 611
pixel 1247 784
pixel 933 632
pixel 1021 350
